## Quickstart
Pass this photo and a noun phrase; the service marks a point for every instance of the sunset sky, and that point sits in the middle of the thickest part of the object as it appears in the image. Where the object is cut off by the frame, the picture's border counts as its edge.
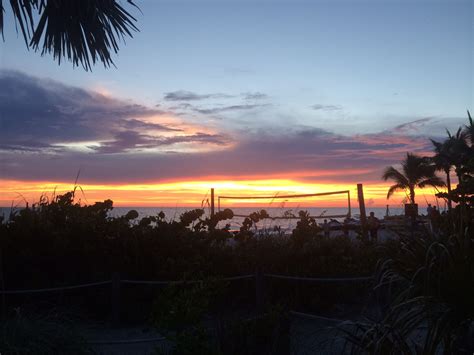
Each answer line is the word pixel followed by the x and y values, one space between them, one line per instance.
pixel 250 97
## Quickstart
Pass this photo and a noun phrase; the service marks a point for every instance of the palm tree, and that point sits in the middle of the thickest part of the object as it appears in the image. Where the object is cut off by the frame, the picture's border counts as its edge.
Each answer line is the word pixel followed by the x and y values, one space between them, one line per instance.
pixel 454 151
pixel 416 171
pixel 469 130
pixel 82 31
pixel 457 150
pixel 443 162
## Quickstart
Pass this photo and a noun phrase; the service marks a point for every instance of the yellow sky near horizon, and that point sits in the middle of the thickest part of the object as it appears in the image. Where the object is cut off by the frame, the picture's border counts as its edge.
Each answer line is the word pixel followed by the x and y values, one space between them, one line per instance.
pixel 193 193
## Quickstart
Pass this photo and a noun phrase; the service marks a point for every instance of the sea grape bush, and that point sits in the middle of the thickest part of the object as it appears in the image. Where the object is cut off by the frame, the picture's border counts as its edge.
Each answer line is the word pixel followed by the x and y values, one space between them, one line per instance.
pixel 61 241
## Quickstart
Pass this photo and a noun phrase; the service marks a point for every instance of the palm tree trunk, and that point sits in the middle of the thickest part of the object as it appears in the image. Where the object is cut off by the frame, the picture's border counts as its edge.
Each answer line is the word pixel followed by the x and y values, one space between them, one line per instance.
pixel 412 194
pixel 448 184
pixel 462 203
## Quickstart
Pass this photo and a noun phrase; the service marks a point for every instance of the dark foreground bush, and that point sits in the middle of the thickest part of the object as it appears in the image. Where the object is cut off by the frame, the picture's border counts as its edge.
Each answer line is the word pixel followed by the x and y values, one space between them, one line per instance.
pixel 183 315
pixel 62 242
pixel 431 301
pixel 40 335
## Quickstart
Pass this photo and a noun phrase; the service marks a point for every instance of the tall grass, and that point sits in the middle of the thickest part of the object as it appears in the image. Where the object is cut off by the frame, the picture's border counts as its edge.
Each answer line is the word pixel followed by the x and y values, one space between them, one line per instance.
pixel 431 300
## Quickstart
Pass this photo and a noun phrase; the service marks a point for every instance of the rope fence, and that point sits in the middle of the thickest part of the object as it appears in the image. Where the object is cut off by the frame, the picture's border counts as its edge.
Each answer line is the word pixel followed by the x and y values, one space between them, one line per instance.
pixel 116 283
pixel 131 341
pixel 315 317
pixel 180 282
pixel 319 279
pixel 54 289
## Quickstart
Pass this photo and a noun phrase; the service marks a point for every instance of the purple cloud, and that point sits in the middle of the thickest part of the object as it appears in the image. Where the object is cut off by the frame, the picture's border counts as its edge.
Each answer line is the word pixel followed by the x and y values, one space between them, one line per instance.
pixel 183 95
pixel 44 113
pixel 310 154
pixel 131 140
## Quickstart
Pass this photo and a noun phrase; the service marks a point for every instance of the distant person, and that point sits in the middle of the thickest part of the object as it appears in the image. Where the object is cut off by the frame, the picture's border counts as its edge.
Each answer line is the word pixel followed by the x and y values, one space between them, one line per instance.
pixel 429 209
pixel 345 227
pixel 435 219
pixel 326 229
pixel 373 225
pixel 429 214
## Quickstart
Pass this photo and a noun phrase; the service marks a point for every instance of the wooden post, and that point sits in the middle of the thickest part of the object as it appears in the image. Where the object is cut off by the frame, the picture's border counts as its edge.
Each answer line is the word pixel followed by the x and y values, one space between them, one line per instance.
pixel 349 203
pixel 363 214
pixel 360 194
pixel 212 202
pixel 115 298
pixel 2 285
pixel 259 301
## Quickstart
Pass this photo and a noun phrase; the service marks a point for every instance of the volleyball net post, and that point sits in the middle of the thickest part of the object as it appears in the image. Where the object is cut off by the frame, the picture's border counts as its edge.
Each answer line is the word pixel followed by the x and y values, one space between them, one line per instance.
pixel 212 202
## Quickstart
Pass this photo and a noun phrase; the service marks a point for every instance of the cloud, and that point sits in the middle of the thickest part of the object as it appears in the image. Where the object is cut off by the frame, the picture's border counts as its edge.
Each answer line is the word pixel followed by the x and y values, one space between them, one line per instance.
pixel 137 124
pixel 40 113
pixel 183 95
pixel 309 154
pixel 24 146
pixel 254 96
pixel 124 141
pixel 410 127
pixel 131 140
pixel 319 107
pixel 214 110
pixel 42 118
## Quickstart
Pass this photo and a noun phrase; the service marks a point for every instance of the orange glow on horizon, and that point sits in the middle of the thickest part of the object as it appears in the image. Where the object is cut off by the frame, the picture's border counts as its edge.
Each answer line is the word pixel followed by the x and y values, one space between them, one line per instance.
pixel 193 193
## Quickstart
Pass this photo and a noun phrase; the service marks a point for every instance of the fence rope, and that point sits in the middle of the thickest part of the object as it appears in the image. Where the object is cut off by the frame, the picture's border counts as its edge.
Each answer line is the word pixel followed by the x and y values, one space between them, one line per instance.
pixel 54 289
pixel 335 320
pixel 315 317
pixel 178 282
pixel 131 341
pixel 319 279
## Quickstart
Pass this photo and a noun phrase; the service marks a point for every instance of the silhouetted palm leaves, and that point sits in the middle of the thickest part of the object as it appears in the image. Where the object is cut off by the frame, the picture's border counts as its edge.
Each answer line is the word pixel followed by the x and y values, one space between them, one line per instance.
pixel 416 172
pixel 469 129
pixel 443 162
pixel 83 32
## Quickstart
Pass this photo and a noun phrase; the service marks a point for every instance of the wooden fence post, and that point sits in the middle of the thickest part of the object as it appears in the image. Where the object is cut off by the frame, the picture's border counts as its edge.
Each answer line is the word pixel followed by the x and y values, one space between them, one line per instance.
pixel 2 286
pixel 212 203
pixel 259 291
pixel 115 298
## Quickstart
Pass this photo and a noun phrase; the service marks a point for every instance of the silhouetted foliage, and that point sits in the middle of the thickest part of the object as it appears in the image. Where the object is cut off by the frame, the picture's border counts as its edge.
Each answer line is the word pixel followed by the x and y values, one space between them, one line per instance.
pixel 416 172
pixel 89 245
pixel 430 275
pixel 83 32
pixel 306 229
pixel 431 304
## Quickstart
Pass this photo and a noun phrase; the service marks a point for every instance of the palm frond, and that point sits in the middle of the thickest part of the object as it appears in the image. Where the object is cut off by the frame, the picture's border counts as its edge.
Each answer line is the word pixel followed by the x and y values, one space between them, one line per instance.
pixel 83 32
pixel 390 173
pixel 437 145
pixel 434 181
pixel 395 188
pixel 469 129
pixel 23 14
pixel 93 30
pixel 2 10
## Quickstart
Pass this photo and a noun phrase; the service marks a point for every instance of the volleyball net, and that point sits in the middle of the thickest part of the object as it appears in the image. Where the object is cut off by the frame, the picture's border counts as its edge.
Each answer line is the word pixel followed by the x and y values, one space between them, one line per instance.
pixel 318 205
